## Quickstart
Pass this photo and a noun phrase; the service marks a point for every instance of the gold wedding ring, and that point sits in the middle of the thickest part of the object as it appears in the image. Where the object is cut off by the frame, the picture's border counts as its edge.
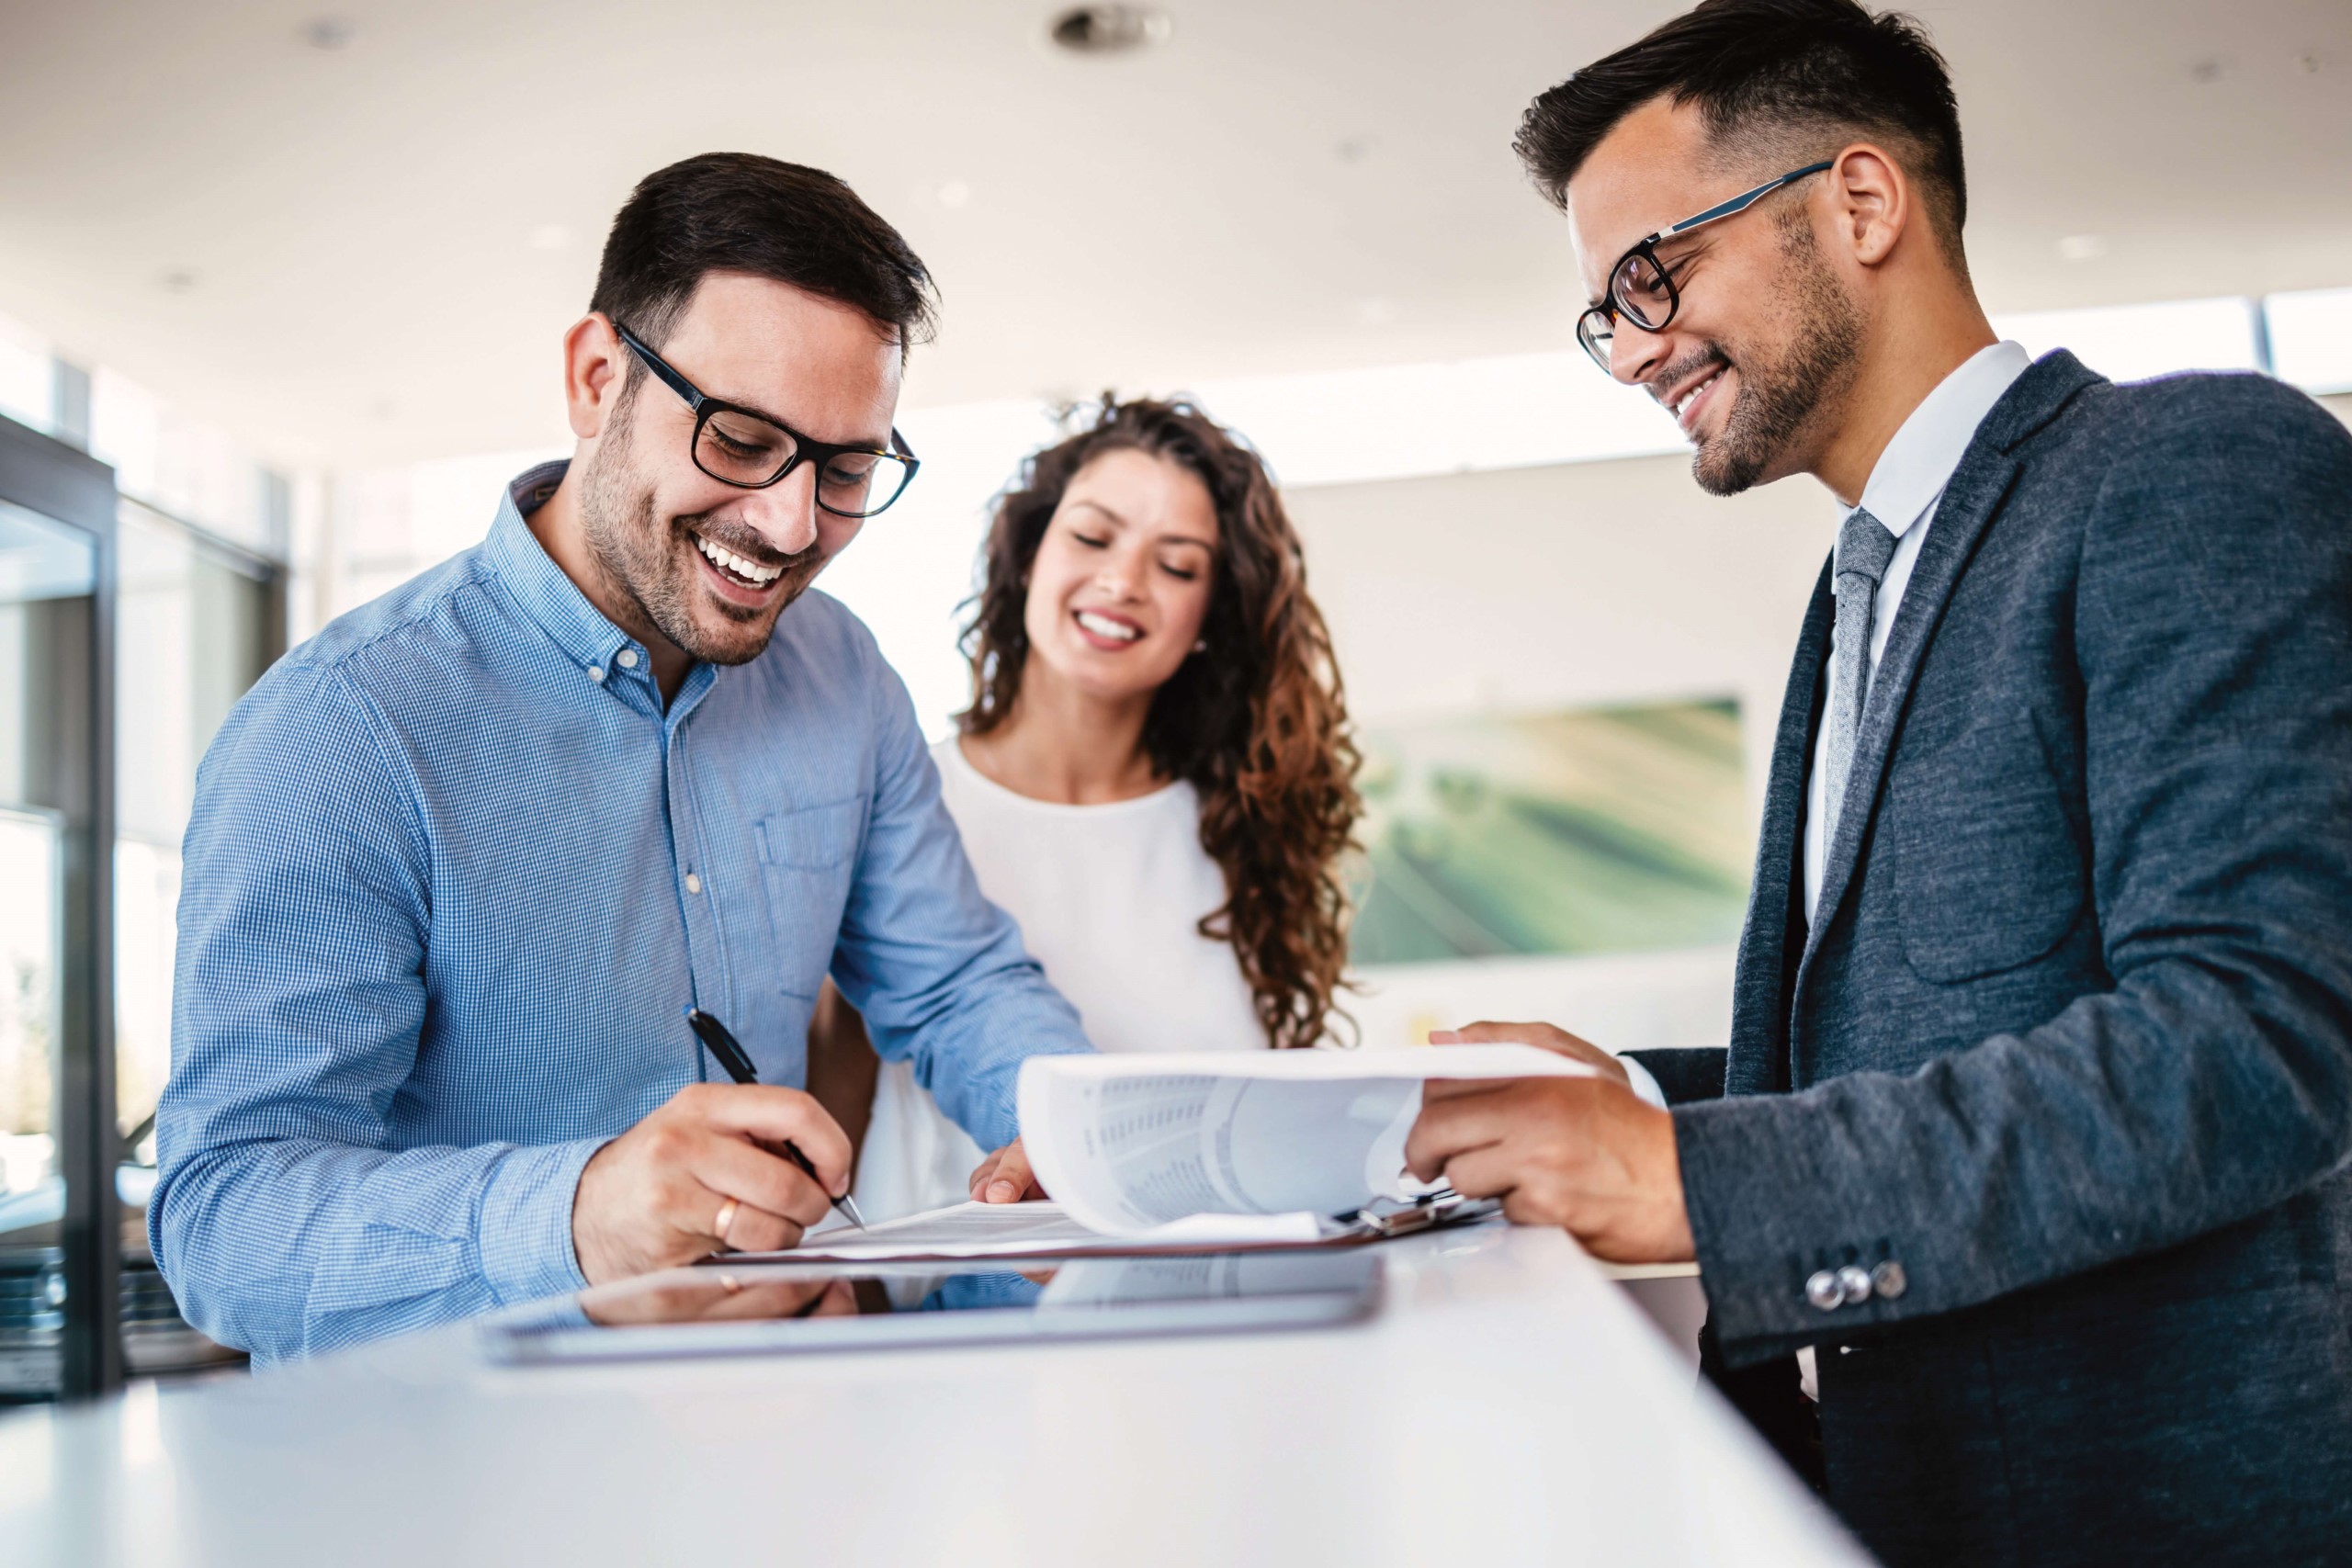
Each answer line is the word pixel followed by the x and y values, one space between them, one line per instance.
pixel 726 1218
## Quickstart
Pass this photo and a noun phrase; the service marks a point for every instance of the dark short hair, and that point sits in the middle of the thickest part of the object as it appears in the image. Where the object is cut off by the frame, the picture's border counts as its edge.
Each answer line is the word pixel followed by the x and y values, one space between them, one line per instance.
pixel 1770 73
pixel 741 213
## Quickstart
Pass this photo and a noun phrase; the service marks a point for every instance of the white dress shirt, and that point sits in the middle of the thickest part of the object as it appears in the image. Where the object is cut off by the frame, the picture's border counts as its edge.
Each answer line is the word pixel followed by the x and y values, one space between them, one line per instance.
pixel 1904 488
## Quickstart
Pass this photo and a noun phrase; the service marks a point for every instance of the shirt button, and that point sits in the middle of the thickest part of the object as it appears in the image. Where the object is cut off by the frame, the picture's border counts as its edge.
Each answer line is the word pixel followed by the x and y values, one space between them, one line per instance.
pixel 1889 1280
pixel 1823 1291
pixel 1853 1284
pixel 694 882
pixel 596 673
pixel 627 660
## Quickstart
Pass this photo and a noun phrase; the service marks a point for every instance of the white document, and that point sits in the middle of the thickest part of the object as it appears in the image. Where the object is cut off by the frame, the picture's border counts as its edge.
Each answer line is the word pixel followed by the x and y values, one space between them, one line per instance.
pixel 1023 1230
pixel 1132 1143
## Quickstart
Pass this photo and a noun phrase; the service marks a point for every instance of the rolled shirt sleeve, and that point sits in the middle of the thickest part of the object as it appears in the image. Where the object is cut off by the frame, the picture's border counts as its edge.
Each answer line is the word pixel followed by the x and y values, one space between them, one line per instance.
pixel 939 972
pixel 283 1217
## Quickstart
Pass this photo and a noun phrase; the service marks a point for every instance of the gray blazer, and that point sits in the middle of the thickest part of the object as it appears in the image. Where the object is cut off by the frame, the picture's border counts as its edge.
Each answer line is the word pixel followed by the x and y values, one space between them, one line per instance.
pixel 2061 1073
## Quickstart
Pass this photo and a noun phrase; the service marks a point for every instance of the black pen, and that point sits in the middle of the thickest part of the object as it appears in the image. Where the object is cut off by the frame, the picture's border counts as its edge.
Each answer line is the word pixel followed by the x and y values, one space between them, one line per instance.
pixel 731 1056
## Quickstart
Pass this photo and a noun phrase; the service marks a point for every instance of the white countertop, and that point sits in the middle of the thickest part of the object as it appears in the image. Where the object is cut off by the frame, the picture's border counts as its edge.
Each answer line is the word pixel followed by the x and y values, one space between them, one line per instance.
pixel 1507 1407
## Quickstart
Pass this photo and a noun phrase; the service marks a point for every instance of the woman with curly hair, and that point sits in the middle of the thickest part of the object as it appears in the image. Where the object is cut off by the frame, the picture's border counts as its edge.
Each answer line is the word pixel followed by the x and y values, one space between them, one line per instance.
pixel 1155 776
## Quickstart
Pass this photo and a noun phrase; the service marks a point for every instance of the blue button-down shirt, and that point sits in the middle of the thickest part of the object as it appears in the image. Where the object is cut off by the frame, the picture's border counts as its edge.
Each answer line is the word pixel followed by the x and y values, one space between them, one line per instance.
pixel 453 876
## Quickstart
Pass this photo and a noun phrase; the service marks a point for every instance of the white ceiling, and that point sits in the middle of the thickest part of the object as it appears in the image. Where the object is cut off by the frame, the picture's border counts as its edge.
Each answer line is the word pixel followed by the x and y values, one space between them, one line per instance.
pixel 367 254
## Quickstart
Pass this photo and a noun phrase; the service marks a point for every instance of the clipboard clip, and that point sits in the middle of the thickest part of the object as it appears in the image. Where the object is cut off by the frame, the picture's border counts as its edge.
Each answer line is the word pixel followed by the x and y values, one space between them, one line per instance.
pixel 1387 1217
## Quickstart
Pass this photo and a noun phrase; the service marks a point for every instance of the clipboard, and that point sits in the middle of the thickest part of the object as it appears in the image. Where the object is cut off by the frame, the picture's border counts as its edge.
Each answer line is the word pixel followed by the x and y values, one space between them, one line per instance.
pixel 1387 1218
pixel 1382 1220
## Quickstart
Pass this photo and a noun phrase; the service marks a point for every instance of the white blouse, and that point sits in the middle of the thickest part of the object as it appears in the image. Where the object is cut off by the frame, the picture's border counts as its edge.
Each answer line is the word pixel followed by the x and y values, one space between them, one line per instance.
pixel 1109 899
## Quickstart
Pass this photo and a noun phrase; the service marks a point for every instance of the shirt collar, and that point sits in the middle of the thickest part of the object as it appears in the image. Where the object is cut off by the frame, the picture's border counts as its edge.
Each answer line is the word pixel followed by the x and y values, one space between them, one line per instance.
pixel 1925 452
pixel 548 596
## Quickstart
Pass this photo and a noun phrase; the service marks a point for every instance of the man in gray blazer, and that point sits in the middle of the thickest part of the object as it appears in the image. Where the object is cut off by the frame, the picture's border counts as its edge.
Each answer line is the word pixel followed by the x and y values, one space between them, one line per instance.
pixel 2034 1124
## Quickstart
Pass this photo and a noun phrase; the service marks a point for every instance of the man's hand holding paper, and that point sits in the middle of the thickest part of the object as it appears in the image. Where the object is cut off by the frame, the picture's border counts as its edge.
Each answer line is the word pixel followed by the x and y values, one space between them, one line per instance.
pixel 1581 1153
pixel 1586 1154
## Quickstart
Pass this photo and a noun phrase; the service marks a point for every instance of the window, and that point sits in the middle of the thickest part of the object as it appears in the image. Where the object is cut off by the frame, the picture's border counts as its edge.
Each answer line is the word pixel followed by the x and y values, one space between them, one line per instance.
pixel 126 635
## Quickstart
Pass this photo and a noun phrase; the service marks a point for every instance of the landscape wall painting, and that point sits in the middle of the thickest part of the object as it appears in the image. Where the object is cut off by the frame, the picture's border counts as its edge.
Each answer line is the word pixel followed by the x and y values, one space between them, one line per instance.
pixel 1587 830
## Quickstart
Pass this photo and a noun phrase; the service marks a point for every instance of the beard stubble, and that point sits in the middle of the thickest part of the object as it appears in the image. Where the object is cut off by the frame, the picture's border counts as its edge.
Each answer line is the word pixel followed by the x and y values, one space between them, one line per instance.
pixel 645 561
pixel 1777 397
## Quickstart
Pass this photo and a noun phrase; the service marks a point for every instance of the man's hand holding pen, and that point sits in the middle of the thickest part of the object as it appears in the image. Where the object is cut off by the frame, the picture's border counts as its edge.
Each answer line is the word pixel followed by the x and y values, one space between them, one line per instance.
pixel 699 1176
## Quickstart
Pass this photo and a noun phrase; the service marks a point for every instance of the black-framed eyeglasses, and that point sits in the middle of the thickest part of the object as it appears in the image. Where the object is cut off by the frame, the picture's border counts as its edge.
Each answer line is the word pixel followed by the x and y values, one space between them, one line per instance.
pixel 1641 287
pixel 751 451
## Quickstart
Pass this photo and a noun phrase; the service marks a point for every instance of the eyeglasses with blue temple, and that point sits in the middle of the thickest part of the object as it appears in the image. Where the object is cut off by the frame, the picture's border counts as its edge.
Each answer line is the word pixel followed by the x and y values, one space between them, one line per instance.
pixel 1642 288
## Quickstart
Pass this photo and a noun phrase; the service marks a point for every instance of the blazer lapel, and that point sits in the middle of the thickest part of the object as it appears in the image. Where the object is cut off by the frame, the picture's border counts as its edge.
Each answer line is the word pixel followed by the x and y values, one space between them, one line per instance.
pixel 1967 505
pixel 1760 986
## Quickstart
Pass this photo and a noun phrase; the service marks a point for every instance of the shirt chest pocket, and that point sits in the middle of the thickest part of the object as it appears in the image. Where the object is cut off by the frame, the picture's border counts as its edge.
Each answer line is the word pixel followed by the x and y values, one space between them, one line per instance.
pixel 1988 870
pixel 807 859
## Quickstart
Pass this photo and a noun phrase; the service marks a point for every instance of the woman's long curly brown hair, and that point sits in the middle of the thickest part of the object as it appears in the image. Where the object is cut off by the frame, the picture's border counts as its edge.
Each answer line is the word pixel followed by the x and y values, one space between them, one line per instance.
pixel 1257 722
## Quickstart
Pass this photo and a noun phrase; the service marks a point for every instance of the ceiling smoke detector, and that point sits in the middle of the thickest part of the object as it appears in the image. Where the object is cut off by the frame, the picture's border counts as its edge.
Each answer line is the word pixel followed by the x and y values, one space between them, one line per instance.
pixel 1109 29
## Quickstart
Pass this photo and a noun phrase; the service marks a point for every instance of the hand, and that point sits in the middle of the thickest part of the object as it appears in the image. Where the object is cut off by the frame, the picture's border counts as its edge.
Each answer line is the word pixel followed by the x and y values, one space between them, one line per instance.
pixel 653 1197
pixel 1542 1035
pixel 1005 1177
pixel 1582 1154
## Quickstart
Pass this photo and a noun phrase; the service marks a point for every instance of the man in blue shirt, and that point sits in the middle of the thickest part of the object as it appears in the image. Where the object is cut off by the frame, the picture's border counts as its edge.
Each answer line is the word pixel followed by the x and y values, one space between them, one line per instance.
pixel 460 863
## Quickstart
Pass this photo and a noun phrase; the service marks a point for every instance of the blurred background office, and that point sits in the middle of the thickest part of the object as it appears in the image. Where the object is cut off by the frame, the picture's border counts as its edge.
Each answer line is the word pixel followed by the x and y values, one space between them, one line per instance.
pixel 281 287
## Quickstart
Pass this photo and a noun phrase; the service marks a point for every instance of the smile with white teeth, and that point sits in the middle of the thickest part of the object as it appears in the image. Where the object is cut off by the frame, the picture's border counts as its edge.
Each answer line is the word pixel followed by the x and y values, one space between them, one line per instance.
pixel 1682 404
pixel 1102 626
pixel 728 560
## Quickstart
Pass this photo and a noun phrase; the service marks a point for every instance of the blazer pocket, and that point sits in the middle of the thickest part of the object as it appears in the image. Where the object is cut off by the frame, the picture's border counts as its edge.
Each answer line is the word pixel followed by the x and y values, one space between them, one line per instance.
pixel 1988 871
pixel 807 859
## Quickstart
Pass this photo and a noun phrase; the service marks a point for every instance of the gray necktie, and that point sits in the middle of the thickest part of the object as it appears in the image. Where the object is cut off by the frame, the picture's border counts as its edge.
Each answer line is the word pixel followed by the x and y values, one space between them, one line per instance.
pixel 1864 547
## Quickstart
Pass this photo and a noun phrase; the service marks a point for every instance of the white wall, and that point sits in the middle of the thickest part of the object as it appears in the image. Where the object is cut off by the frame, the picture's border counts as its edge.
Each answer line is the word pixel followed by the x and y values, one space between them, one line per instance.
pixel 1572 585
pixel 1576 584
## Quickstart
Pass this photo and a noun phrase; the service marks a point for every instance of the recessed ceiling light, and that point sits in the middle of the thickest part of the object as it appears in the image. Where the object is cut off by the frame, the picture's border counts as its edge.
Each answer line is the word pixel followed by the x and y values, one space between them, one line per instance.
pixel 1109 29
pixel 954 193
pixel 2081 247
pixel 328 32
pixel 551 237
